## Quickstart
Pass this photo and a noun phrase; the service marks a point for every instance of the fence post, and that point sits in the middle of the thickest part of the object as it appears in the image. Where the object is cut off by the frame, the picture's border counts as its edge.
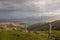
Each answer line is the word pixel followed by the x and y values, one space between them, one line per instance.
pixel 49 32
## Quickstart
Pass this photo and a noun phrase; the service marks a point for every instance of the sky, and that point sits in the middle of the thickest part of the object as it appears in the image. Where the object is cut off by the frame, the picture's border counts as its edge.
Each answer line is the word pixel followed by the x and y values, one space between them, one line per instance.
pixel 19 9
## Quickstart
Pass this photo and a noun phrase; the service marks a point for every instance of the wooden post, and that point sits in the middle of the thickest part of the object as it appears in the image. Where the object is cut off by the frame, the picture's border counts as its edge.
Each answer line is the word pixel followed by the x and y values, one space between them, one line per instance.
pixel 26 28
pixel 49 32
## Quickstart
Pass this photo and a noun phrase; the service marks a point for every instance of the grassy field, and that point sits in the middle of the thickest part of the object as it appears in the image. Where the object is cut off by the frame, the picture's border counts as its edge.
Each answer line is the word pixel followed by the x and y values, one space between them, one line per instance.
pixel 18 35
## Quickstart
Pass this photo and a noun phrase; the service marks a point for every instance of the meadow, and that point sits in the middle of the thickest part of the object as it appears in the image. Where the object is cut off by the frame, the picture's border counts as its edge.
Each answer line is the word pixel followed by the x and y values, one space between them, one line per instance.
pixel 19 35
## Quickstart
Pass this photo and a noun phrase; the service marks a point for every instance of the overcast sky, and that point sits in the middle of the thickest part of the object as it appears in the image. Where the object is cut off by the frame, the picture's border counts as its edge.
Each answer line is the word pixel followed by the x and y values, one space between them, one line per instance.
pixel 28 8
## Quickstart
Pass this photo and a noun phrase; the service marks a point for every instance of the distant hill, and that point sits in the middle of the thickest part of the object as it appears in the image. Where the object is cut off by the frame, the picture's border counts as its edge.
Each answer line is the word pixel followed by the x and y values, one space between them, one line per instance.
pixel 29 20
pixel 45 26
pixel 33 19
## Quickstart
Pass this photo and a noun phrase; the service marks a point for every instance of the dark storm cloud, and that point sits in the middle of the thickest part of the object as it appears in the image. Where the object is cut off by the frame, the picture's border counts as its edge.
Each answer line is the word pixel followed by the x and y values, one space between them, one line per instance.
pixel 26 8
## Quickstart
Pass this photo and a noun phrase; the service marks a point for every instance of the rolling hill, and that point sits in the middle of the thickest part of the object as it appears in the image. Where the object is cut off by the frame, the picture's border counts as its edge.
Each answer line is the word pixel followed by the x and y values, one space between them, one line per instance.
pixel 45 26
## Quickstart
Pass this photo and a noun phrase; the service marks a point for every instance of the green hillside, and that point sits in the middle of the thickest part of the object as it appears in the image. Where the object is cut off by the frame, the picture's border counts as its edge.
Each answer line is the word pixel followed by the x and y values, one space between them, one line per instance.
pixel 34 34
pixel 12 26
pixel 45 26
